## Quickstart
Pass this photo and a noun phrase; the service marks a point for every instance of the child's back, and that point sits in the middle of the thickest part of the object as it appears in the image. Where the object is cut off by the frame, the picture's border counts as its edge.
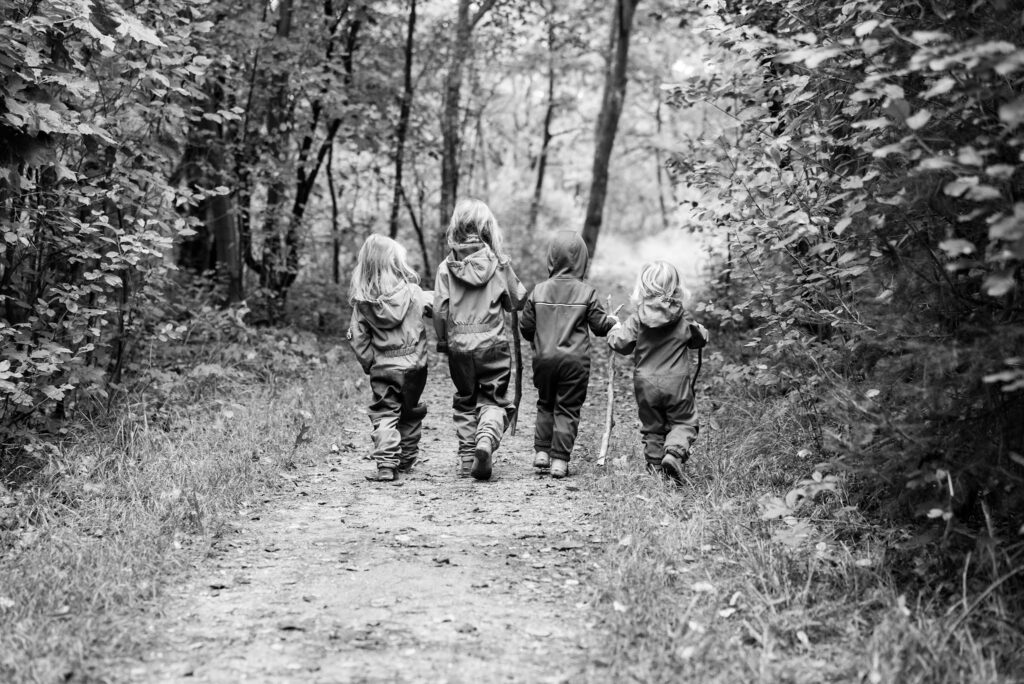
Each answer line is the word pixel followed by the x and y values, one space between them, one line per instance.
pixel 473 293
pixel 659 335
pixel 393 333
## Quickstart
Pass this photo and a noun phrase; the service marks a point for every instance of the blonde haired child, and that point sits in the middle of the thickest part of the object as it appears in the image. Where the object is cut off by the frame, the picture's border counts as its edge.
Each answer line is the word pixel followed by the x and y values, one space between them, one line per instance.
pixel 475 285
pixel 389 339
pixel 658 335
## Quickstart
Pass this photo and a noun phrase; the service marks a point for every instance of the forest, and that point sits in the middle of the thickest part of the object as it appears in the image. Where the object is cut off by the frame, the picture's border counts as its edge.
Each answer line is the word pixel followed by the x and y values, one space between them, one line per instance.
pixel 186 185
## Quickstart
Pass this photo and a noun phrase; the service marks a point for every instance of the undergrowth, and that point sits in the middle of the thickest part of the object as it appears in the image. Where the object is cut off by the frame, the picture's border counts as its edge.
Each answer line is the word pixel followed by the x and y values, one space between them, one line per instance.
pixel 764 566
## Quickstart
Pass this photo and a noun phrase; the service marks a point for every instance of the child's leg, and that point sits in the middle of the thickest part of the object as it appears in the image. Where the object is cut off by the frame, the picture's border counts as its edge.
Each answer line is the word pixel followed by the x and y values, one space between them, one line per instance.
pixel 494 408
pixel 571 392
pixel 463 371
pixel 544 381
pixel 383 413
pixel 681 417
pixel 411 419
pixel 653 427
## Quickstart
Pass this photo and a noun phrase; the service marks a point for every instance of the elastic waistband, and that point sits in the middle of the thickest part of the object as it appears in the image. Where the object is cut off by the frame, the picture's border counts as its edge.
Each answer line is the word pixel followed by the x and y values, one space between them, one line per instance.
pixel 400 351
pixel 474 328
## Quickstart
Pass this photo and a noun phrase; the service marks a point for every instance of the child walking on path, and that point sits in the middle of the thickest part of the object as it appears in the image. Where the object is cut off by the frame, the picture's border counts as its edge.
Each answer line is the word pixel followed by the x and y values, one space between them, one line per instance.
pixel 475 285
pixel 390 342
pixel 658 335
pixel 555 319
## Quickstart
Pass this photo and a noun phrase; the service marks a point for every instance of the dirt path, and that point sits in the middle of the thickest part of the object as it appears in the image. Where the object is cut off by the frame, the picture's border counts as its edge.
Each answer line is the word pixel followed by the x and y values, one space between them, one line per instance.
pixel 434 578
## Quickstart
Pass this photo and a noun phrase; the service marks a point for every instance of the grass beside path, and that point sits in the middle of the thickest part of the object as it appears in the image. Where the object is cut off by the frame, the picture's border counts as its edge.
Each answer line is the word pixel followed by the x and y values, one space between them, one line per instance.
pixel 717 581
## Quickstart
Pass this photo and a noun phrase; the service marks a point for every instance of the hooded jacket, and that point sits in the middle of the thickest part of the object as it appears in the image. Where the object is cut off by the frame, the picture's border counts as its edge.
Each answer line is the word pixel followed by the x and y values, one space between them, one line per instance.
pixel 560 310
pixel 472 291
pixel 658 335
pixel 387 333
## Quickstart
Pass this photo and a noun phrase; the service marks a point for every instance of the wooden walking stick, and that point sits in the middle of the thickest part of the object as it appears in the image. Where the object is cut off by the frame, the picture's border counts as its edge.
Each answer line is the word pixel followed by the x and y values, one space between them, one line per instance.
pixel 609 418
pixel 517 347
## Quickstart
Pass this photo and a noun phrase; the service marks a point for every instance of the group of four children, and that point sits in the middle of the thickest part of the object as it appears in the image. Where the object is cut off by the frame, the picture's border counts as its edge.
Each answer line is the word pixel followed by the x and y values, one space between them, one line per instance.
pixel 474 288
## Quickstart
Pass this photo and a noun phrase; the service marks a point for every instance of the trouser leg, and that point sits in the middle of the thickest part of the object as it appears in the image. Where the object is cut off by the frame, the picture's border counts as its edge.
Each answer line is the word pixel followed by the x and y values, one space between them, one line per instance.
pixel 680 416
pixel 571 392
pixel 410 421
pixel 653 427
pixel 384 412
pixel 494 408
pixel 543 380
pixel 462 367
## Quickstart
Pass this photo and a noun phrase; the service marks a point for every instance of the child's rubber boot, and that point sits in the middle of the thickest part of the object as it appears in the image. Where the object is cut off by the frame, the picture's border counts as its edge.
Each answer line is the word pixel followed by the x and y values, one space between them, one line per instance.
pixel 672 463
pixel 481 469
pixel 541 460
pixel 559 468
pixel 382 475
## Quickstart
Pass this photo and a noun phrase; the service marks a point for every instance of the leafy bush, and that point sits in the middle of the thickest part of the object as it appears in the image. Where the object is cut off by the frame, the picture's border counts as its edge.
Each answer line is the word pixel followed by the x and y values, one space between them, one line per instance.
pixel 863 164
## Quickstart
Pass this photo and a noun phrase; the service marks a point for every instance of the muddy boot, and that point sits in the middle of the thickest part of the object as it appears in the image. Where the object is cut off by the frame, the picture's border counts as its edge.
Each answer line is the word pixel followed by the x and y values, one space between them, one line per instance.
pixel 382 475
pixel 559 468
pixel 481 469
pixel 541 460
pixel 465 465
pixel 672 464
pixel 407 463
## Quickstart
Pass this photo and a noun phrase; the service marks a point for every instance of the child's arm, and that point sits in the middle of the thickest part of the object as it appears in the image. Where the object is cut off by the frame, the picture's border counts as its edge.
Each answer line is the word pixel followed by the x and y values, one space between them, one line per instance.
pixel 360 340
pixel 600 321
pixel 426 303
pixel 622 337
pixel 528 321
pixel 441 302
pixel 514 296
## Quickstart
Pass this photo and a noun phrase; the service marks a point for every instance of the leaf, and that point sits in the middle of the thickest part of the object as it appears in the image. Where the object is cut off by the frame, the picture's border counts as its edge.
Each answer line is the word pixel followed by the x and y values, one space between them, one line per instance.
pixel 918 120
pixel 959 186
pixel 940 87
pixel 133 28
pixel 773 507
pixel 999 284
pixel 957 247
pixel 1012 113
pixel 864 28
pixel 842 224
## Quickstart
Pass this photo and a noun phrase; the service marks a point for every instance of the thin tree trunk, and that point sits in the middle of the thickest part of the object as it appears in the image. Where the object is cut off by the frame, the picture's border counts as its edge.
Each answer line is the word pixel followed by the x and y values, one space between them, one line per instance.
pixel 450 123
pixel 419 233
pixel 657 163
pixel 608 120
pixel 335 233
pixel 403 119
pixel 542 159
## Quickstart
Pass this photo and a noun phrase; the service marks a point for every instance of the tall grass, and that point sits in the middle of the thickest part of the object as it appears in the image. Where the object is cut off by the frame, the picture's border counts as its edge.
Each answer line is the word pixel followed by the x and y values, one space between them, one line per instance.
pixel 702 583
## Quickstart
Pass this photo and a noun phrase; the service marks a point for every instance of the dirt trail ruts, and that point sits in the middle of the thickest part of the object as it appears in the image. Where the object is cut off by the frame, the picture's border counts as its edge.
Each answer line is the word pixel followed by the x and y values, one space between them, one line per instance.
pixel 434 578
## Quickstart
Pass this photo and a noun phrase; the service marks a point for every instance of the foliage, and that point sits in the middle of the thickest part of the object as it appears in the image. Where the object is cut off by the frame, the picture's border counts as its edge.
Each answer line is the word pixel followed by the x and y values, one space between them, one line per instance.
pixel 863 170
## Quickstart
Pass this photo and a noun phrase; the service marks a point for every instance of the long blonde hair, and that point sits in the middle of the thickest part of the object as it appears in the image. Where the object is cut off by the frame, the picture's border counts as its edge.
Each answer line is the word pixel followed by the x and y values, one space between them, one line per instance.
pixel 659 279
pixel 380 268
pixel 473 219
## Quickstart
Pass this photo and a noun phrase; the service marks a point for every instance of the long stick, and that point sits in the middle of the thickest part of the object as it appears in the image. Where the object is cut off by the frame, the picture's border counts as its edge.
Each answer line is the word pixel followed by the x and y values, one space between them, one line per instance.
pixel 609 418
pixel 517 346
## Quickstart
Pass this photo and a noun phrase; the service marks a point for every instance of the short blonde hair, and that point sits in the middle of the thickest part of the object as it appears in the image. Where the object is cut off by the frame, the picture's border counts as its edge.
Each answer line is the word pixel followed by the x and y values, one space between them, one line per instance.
pixel 380 267
pixel 659 279
pixel 473 219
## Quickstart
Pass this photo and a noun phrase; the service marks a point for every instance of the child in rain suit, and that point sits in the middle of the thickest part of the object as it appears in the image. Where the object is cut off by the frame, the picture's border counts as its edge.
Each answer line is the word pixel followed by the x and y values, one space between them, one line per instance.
pixel 556 319
pixel 474 288
pixel 389 339
pixel 659 335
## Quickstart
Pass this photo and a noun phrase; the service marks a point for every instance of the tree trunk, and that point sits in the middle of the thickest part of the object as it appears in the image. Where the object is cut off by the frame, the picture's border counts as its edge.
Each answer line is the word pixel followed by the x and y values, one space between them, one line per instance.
pixel 403 120
pixel 658 166
pixel 542 159
pixel 608 120
pixel 450 122
pixel 335 233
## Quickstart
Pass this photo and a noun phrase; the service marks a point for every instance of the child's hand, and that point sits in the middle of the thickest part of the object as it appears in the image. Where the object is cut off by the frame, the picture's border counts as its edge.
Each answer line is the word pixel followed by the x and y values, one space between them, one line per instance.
pixel 614 319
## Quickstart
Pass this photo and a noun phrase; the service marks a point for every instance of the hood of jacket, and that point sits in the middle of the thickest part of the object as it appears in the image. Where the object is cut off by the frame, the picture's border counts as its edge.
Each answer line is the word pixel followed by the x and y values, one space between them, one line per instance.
pixel 389 310
pixel 567 255
pixel 472 262
pixel 654 312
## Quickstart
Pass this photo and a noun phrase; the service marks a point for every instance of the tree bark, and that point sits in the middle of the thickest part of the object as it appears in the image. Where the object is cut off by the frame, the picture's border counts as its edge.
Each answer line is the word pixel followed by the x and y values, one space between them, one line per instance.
pixel 450 122
pixel 402 127
pixel 608 120
pixel 542 159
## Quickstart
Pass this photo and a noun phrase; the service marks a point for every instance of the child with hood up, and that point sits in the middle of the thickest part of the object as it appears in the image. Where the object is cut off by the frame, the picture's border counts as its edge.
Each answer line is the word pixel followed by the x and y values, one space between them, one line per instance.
pixel 556 319
pixel 474 288
pixel 390 341
pixel 658 335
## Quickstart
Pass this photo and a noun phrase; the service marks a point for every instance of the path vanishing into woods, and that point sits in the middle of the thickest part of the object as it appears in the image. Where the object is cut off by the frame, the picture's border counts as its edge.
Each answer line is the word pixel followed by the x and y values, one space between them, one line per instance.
pixel 433 578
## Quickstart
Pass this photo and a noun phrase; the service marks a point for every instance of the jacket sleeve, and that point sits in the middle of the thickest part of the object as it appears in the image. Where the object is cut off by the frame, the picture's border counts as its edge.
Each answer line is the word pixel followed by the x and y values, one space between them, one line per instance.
pixel 622 338
pixel 597 318
pixel 362 344
pixel 514 296
pixel 698 336
pixel 442 297
pixel 426 302
pixel 528 321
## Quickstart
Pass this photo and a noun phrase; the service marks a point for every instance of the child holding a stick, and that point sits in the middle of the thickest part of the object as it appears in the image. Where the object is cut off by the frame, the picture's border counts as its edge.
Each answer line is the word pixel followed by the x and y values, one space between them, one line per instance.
pixel 474 288
pixel 658 335
pixel 390 342
pixel 556 319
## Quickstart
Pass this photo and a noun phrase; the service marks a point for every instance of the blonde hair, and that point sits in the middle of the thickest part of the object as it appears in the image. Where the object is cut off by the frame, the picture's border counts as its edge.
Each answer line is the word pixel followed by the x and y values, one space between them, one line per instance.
pixel 380 268
pixel 473 219
pixel 659 279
